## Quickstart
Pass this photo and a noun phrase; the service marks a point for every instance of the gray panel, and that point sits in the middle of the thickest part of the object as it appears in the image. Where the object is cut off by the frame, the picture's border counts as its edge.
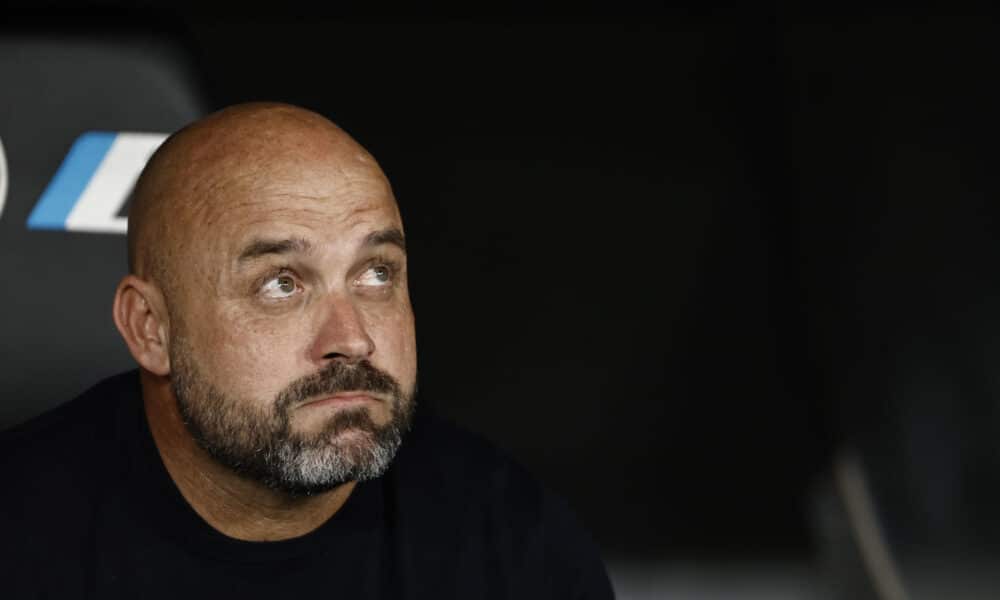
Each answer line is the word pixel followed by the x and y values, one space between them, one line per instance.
pixel 58 336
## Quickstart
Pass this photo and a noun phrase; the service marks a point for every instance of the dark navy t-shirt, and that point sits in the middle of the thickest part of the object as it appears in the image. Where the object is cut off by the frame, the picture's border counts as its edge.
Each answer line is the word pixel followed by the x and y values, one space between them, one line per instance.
pixel 87 510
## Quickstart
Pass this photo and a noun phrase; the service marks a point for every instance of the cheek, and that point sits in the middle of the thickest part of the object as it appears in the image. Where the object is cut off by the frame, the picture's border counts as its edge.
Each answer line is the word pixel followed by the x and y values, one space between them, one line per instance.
pixel 250 355
pixel 395 343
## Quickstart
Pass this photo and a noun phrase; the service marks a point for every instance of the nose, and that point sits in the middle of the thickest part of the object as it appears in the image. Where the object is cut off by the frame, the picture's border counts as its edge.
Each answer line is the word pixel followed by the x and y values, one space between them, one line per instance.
pixel 342 334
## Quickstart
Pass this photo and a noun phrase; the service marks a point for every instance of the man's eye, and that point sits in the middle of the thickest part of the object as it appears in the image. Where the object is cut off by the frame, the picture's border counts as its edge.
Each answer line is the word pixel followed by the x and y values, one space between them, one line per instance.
pixel 378 275
pixel 279 287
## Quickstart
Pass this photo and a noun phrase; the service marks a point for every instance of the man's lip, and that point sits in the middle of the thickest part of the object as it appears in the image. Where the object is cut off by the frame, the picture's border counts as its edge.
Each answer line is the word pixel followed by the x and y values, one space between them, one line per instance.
pixel 341 398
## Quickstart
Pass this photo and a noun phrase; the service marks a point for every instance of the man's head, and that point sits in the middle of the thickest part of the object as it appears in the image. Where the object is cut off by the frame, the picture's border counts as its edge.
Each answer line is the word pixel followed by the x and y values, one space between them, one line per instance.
pixel 268 287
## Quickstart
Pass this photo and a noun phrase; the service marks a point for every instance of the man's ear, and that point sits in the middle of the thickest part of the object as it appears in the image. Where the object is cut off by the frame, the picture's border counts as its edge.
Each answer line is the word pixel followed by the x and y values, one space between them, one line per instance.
pixel 141 317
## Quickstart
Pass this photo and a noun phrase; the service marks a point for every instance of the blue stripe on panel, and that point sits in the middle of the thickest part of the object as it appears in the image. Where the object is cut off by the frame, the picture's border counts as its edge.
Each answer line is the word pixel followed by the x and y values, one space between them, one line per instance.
pixel 70 180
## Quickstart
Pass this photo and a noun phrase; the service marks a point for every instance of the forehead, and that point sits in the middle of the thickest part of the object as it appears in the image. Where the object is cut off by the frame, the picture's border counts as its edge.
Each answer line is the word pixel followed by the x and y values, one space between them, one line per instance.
pixel 325 200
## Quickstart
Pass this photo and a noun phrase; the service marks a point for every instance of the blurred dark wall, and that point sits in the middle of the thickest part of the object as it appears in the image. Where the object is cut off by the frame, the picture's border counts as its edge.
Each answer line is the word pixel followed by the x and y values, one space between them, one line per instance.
pixel 670 263
pixel 896 124
pixel 597 227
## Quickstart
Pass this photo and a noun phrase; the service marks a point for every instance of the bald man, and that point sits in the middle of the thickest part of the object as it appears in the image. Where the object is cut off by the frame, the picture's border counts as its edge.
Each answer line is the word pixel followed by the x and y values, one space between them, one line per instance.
pixel 268 445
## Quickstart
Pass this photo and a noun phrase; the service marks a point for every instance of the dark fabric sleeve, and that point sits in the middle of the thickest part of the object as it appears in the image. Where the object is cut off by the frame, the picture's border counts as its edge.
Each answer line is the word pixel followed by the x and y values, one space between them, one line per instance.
pixel 574 566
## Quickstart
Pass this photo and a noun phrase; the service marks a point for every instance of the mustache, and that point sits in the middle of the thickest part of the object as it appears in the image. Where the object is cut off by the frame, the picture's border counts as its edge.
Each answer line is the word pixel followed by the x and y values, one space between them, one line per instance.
pixel 339 377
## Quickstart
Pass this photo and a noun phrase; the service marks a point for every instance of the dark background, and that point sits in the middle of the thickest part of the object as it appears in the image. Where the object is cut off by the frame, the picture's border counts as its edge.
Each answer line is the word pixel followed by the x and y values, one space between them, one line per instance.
pixel 672 262
pixel 574 194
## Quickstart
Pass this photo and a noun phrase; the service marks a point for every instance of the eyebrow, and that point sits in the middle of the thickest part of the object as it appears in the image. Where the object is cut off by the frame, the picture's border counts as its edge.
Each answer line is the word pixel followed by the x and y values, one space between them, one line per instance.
pixel 263 247
pixel 393 236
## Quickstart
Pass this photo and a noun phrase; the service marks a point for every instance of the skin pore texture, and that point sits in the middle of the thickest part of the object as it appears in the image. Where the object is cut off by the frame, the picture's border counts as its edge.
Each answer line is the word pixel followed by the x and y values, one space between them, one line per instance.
pixel 268 309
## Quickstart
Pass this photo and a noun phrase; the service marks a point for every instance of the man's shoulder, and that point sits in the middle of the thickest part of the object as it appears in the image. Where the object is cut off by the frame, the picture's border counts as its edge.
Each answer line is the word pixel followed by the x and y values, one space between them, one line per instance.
pixel 471 497
pixel 455 460
pixel 55 468
pixel 69 443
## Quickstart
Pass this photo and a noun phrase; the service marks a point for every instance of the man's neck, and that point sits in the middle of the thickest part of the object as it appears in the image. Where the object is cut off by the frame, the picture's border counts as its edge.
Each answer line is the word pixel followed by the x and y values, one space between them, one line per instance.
pixel 233 505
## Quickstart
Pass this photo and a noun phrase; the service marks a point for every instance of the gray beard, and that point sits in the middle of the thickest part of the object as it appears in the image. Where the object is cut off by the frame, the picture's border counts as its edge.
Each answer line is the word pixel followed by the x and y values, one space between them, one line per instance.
pixel 259 444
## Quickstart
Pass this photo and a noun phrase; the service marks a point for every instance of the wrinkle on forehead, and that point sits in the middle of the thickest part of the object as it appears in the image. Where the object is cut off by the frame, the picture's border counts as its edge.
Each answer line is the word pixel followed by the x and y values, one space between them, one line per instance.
pixel 251 218
pixel 342 204
pixel 229 162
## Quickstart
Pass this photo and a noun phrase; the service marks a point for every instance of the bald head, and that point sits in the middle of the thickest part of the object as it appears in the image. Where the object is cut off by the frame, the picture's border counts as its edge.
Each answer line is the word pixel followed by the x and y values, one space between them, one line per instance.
pixel 268 268
pixel 186 184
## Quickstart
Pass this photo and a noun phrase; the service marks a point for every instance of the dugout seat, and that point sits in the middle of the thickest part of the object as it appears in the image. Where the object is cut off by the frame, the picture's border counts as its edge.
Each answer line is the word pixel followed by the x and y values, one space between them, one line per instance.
pixel 60 94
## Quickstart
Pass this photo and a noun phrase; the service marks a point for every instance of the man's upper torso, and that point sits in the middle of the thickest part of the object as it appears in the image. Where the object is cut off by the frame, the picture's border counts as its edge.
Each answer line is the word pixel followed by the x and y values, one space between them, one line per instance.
pixel 90 511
